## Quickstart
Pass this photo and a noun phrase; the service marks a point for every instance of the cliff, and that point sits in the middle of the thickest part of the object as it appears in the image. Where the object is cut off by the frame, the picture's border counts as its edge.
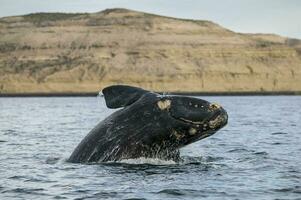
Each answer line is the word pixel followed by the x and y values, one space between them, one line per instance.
pixel 57 52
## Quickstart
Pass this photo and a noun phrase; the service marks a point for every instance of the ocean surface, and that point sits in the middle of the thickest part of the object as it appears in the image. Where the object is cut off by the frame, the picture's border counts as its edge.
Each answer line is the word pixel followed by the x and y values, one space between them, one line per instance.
pixel 256 156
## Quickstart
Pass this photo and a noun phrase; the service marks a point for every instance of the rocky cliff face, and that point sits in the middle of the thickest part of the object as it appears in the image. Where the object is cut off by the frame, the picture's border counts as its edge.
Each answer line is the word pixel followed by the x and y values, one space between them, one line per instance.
pixel 55 52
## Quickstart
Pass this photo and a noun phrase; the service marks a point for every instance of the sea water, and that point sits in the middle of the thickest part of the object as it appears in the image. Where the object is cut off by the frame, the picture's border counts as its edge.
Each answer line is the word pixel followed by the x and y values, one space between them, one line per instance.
pixel 256 156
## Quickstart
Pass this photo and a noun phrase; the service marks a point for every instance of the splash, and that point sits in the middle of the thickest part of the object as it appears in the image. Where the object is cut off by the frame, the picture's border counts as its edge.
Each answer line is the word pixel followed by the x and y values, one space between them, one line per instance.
pixel 100 94
pixel 151 161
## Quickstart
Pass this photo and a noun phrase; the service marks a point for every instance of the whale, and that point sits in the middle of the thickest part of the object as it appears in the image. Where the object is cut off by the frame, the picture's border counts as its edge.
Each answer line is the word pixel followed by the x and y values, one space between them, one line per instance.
pixel 148 124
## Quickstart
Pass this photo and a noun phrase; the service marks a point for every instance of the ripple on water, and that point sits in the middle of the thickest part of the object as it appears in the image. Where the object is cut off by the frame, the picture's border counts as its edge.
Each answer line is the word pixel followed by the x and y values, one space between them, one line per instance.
pixel 296 189
pixel 277 143
pixel 60 197
pixel 238 150
pixel 16 177
pixel 52 160
pixel 10 132
pixel 182 192
pixel 264 153
pixel 30 191
pixel 100 195
pixel 279 133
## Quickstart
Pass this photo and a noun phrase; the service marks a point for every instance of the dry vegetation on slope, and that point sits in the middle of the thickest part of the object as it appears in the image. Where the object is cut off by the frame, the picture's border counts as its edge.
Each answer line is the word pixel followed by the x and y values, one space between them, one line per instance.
pixel 56 52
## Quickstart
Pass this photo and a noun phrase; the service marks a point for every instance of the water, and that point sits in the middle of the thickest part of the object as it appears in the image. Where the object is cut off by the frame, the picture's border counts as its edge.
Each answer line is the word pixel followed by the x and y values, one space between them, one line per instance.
pixel 256 156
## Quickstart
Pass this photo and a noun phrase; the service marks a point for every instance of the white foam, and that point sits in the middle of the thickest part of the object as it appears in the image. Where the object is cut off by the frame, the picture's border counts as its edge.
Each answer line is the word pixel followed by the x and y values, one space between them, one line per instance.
pixel 152 161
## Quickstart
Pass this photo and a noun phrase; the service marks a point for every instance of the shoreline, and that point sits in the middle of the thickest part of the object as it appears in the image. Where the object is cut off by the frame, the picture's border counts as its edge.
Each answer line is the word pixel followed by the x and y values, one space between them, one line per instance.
pixel 94 94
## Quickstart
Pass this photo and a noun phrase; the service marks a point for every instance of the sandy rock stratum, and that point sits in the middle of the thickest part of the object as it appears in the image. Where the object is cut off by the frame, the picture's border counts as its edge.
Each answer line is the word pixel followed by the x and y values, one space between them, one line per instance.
pixel 84 52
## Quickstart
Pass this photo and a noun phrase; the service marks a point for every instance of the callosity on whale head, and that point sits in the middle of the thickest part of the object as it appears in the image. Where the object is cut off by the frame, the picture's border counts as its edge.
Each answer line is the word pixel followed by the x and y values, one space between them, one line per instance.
pixel 200 117
pixel 148 125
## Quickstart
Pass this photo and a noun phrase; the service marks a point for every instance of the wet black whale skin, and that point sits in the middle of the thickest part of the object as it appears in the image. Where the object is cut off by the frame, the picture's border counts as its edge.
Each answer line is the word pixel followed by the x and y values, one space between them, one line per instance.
pixel 146 128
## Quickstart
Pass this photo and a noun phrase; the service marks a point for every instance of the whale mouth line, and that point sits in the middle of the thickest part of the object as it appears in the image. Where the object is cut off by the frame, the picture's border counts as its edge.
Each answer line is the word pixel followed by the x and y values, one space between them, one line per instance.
pixel 191 122
pixel 214 117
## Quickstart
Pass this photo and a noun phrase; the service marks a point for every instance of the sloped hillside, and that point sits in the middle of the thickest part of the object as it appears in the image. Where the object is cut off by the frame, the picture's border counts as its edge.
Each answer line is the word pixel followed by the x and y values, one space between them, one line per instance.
pixel 57 52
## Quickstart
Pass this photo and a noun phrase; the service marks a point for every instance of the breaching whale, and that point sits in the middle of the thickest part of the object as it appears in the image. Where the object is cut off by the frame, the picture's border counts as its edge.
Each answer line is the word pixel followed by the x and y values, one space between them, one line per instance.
pixel 148 125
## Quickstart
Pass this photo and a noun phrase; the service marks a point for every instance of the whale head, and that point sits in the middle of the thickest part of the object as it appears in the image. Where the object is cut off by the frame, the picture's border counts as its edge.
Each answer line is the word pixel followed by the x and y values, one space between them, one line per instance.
pixel 172 120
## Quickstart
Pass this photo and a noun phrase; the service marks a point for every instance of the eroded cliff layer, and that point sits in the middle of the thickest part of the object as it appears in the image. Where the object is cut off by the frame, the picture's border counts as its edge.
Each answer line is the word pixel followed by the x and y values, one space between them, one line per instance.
pixel 56 52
